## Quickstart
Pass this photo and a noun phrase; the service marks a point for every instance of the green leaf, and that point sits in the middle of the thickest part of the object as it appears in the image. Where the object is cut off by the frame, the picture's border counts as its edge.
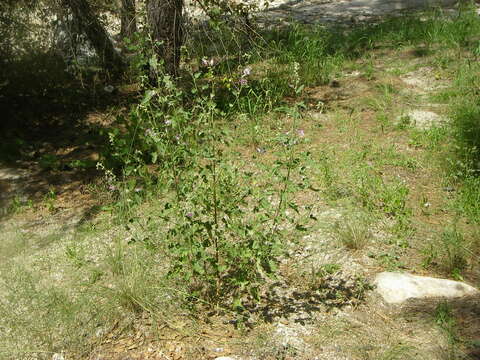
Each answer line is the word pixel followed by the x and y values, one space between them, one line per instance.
pixel 148 96
pixel 154 157
pixel 197 268
pixel 153 62
pixel 272 266
pixel 293 206
pixel 237 304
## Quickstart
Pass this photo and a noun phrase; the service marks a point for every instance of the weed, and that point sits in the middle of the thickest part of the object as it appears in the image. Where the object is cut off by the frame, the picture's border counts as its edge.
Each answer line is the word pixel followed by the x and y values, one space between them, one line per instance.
pixel 445 319
pixel 391 156
pixel 369 71
pixel 49 162
pixel 391 261
pixel 387 89
pixel 404 122
pixel 334 188
pixel 353 231
pixel 50 199
pixel 449 251
pixel 383 120
pixel 225 237
pixel 454 252
pixel 319 273
pixel 19 203
pixel 76 255
pixel 81 164
pixel 312 49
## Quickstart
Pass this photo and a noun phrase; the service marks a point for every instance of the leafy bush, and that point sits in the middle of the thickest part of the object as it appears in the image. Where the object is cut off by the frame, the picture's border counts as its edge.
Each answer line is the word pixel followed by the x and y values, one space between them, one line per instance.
pixel 223 240
pixel 222 235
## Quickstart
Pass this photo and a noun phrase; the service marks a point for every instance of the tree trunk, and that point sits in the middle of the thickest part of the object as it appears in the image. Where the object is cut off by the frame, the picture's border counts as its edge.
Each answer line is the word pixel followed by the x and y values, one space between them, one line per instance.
pixel 96 33
pixel 128 18
pixel 166 29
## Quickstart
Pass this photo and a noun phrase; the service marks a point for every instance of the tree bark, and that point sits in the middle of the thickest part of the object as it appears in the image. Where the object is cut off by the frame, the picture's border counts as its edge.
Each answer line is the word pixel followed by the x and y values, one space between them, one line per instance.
pixel 96 33
pixel 166 29
pixel 128 18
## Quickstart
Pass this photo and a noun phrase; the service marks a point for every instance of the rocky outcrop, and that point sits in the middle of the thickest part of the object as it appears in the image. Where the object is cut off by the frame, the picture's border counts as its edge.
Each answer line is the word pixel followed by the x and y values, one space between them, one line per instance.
pixel 397 288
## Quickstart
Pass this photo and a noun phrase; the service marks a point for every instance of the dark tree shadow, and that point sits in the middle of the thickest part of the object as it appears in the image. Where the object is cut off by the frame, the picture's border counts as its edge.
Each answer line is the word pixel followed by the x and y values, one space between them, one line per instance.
pixel 54 126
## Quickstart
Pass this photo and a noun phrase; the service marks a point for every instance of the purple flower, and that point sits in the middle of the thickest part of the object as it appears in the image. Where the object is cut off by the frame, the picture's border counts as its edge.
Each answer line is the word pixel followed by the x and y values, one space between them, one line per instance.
pixel 301 133
pixel 243 82
pixel 189 215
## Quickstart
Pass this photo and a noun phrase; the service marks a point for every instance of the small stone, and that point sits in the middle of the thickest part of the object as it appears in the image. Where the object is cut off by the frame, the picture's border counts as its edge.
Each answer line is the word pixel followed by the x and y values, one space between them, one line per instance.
pixel 396 288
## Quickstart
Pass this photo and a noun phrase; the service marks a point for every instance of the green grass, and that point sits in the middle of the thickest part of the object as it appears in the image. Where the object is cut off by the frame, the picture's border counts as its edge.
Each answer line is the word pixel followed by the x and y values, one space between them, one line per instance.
pixel 445 320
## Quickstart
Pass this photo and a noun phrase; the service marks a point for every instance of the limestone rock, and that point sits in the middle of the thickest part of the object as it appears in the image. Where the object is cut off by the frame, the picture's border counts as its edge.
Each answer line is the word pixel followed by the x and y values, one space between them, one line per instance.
pixel 396 288
pixel 422 119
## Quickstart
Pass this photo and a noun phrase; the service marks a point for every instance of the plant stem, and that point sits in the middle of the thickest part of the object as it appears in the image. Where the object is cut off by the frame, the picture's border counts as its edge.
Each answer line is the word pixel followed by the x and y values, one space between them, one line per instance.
pixel 215 201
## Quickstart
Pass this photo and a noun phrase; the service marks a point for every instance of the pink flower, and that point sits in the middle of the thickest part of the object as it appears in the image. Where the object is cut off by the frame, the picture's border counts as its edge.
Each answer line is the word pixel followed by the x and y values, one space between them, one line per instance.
pixel 301 133
pixel 243 81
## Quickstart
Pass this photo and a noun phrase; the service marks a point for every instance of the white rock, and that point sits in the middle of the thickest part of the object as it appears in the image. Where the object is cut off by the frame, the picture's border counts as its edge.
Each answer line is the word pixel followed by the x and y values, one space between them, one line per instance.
pixel 396 288
pixel 423 119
